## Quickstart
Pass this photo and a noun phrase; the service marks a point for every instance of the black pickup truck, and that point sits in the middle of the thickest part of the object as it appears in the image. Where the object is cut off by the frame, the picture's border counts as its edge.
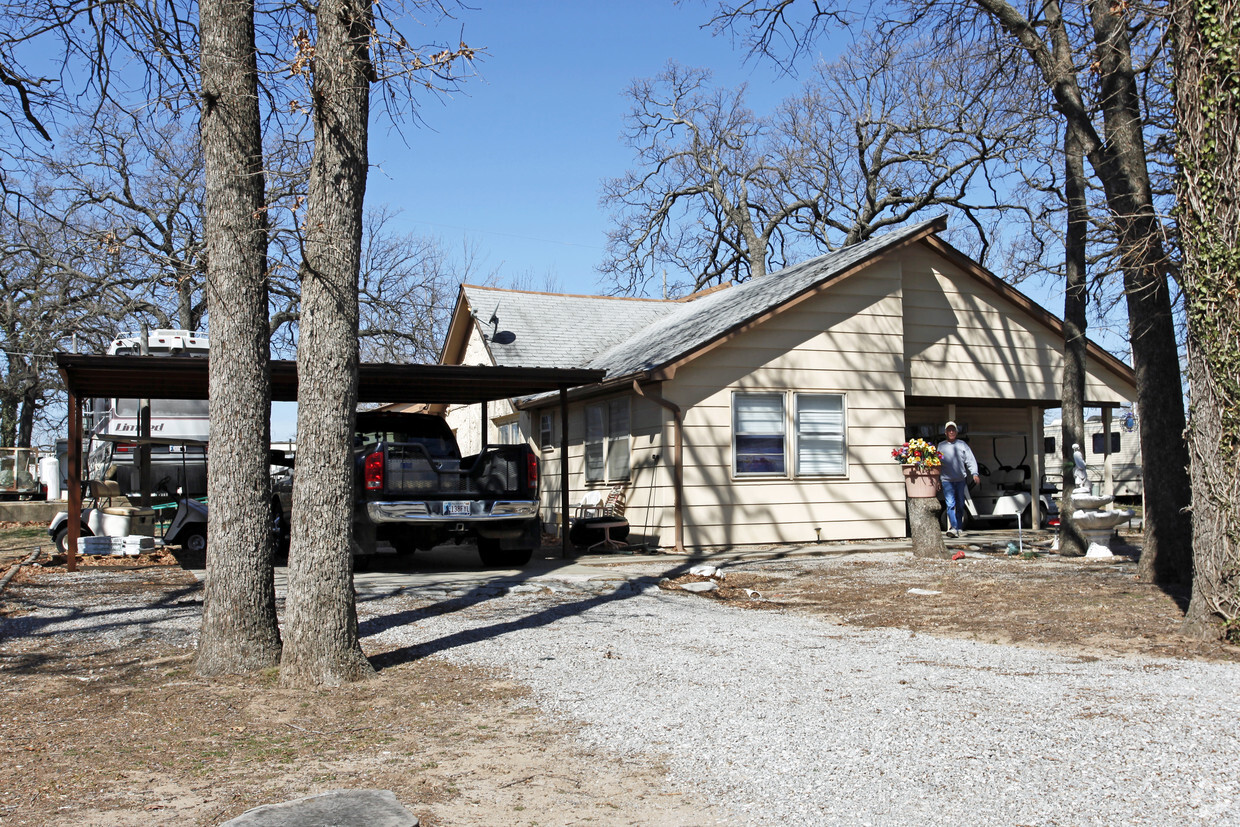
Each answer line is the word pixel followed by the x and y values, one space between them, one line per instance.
pixel 414 490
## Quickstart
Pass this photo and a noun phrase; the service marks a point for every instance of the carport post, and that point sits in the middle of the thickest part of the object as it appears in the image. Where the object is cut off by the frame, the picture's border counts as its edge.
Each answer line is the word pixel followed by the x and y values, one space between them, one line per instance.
pixel 564 472
pixel 1035 454
pixel 75 482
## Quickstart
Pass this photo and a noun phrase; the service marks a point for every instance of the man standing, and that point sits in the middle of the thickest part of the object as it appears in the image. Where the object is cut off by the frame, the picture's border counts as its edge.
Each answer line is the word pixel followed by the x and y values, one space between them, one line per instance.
pixel 958 465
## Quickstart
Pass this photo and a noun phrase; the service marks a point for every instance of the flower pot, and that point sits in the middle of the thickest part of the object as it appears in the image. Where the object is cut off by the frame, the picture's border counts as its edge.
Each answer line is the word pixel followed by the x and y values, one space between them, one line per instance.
pixel 921 482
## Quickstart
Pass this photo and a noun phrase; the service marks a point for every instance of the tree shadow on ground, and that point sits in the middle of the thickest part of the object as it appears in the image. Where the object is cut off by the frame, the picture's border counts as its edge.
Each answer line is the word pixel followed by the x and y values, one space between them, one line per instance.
pixel 623 590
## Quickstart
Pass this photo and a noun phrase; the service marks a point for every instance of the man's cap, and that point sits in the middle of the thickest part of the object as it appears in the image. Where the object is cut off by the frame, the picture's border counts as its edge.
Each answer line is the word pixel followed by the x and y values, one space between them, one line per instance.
pixel 952 426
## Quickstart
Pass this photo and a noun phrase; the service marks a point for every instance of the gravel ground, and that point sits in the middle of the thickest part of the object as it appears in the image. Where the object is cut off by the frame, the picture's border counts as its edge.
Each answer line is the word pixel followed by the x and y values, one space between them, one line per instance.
pixel 791 720
pixel 787 719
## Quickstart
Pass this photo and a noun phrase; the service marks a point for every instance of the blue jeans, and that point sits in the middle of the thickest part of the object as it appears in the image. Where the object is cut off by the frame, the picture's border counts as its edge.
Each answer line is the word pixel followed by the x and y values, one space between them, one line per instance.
pixel 954 494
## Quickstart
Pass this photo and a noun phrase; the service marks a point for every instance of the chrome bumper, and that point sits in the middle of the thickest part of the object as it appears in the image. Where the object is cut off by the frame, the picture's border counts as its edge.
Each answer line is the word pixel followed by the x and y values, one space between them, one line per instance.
pixel 479 511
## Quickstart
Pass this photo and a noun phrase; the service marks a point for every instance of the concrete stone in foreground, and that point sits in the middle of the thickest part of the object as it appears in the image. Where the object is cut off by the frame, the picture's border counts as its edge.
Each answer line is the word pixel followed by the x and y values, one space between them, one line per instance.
pixel 336 808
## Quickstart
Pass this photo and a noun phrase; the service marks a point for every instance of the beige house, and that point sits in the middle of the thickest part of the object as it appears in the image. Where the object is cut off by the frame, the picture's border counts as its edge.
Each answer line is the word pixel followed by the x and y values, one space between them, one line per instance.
pixel 766 412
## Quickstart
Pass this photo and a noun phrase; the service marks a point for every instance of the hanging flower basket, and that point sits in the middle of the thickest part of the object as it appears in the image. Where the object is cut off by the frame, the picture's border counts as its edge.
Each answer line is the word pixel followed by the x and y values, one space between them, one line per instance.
pixel 922 465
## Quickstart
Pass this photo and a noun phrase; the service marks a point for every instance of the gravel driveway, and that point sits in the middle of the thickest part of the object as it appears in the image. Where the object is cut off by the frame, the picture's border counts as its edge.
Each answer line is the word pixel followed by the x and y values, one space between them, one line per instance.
pixel 791 720
pixel 787 719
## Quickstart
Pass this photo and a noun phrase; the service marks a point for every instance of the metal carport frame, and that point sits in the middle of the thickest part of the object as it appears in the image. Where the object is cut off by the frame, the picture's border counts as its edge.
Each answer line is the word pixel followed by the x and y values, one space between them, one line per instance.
pixel 185 377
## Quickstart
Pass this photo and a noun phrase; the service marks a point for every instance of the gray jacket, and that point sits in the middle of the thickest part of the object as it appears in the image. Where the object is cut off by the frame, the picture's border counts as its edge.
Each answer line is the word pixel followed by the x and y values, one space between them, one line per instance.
pixel 958 460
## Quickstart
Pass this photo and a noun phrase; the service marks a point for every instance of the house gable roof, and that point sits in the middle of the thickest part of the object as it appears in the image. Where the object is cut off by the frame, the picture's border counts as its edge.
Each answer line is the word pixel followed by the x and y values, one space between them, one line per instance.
pixel 552 329
pixel 626 335
pixel 698 325
pixel 649 338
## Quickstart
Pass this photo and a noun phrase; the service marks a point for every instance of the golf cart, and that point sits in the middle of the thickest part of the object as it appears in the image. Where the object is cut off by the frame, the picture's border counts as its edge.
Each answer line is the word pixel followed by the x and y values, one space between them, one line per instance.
pixel 107 518
pixel 1003 497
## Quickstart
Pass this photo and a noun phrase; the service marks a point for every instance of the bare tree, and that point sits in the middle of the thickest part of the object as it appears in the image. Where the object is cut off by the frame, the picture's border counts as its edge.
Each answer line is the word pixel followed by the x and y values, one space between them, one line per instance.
pixel 345 54
pixel 703 197
pixel 1117 154
pixel 1208 117
pixel 141 185
pixel 321 617
pixel 895 128
pixel 53 293
pixel 406 289
pixel 239 628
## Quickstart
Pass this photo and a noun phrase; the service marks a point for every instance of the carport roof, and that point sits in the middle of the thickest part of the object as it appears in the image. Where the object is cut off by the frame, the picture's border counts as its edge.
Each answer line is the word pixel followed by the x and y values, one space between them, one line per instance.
pixel 185 377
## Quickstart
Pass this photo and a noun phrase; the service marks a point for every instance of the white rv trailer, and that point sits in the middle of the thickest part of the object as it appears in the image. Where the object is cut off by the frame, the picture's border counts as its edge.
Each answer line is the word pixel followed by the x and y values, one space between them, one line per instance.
pixel 174 468
pixel 1125 450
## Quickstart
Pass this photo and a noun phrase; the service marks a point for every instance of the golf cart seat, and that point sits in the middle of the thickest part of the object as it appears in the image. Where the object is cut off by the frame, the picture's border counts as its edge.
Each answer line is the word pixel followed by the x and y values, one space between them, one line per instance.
pixel 107 489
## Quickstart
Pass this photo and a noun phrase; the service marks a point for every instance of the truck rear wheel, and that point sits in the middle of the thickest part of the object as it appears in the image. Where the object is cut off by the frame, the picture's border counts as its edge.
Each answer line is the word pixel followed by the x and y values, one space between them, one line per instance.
pixel 494 557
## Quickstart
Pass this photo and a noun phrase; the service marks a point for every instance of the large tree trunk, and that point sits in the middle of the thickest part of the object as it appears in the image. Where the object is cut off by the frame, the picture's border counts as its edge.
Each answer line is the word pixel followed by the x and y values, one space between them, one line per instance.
pixel 25 420
pixel 239 630
pixel 1167 548
pixel 1120 165
pixel 1208 189
pixel 321 644
pixel 1072 419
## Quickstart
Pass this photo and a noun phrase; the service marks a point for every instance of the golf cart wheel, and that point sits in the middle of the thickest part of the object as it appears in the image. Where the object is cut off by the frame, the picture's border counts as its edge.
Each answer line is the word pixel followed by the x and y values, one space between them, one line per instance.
pixel 494 557
pixel 62 535
pixel 195 541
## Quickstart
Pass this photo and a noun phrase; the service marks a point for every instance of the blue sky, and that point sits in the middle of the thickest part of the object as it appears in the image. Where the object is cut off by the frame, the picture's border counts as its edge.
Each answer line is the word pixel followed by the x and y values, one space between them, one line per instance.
pixel 514 163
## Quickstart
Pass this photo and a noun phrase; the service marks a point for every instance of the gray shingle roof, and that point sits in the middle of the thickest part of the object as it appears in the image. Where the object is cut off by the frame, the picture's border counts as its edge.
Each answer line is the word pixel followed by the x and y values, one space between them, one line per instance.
pixel 626 336
pixel 553 330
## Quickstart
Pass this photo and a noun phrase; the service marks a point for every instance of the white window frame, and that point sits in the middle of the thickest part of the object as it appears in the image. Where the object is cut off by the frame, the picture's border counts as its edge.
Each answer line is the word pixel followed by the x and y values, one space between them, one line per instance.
pixel 791 436
pixel 782 420
pixel 616 444
pixel 798 436
pixel 546 430
pixel 513 425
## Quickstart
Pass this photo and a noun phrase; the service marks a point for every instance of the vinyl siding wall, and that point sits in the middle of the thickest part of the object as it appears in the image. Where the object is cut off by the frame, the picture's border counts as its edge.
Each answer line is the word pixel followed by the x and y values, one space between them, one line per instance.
pixel 648 488
pixel 963 340
pixel 845 341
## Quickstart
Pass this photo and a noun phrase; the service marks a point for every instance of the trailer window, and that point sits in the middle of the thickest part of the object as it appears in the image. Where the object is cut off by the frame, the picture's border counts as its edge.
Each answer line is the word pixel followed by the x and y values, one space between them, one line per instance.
pixel 1100 443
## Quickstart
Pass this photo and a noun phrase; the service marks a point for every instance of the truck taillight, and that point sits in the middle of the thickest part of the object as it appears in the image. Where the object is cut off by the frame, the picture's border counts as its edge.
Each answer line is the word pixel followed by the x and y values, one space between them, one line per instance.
pixel 374 471
pixel 531 471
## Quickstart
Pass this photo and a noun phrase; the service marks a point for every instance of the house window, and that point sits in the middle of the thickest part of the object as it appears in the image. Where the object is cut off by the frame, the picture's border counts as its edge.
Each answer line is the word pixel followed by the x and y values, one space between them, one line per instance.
pixel 758 426
pixel 607 441
pixel 820 435
pixel 509 432
pixel 1048 445
pixel 546 432
pixel 1100 443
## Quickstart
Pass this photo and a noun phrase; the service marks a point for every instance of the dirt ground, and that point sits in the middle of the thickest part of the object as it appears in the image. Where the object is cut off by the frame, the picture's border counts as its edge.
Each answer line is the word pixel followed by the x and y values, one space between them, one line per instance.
pixel 1091 607
pixel 97 734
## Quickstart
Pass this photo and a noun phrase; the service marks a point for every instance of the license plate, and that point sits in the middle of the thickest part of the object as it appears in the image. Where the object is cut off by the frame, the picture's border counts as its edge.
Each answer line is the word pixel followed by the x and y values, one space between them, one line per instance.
pixel 456 508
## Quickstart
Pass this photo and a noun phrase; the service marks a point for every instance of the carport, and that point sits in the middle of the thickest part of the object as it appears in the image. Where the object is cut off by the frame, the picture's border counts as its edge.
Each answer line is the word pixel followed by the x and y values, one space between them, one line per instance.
pixel 181 377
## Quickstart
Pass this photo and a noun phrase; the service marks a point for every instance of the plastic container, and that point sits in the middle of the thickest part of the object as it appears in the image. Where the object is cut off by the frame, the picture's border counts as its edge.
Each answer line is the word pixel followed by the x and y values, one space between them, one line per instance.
pixel 49 475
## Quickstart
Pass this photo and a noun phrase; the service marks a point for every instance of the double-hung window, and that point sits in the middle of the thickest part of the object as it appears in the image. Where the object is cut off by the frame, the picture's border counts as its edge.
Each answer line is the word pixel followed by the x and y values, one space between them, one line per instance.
pixel 758 426
pixel 820 435
pixel 509 432
pixel 607 441
pixel 789 435
pixel 546 431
